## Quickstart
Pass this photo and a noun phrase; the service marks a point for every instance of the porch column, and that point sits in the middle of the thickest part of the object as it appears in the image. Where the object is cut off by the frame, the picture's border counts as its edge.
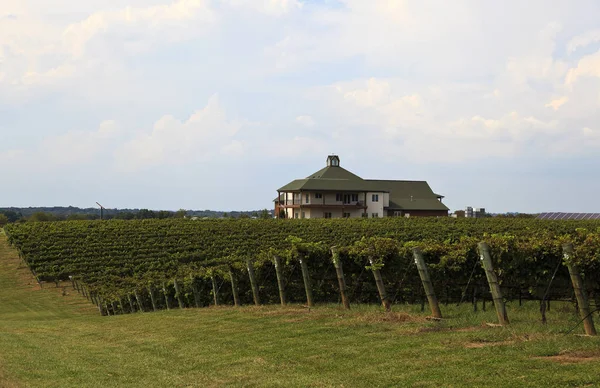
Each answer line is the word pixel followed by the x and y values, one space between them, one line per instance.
pixel 278 209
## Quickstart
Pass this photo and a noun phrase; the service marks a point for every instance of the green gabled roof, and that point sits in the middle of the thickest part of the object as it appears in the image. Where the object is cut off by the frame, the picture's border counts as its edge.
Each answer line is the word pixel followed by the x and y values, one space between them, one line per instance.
pixel 416 204
pixel 401 193
pixel 319 184
pixel 334 172
pixel 330 178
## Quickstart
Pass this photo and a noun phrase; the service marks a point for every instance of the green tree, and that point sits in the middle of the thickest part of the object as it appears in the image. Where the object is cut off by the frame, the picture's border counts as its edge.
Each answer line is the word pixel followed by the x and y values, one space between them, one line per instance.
pixel 125 216
pixel 181 213
pixel 164 214
pixel 3 220
pixel 144 214
pixel 264 214
pixel 75 217
pixel 12 215
pixel 42 217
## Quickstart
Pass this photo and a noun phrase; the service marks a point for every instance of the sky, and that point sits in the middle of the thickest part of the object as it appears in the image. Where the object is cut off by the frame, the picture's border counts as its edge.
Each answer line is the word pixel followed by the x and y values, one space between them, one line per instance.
pixel 214 104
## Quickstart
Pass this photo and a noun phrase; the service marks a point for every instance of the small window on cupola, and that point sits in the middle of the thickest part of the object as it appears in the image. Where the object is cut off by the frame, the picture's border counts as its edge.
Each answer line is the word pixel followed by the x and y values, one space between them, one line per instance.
pixel 333 161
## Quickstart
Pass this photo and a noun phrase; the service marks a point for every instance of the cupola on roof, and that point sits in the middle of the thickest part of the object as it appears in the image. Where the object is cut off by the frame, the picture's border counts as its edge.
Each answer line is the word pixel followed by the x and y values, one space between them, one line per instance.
pixel 333 161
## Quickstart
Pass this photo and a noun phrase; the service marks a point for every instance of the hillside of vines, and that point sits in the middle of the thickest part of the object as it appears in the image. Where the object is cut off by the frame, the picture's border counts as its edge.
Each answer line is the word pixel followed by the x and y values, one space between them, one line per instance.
pixel 125 265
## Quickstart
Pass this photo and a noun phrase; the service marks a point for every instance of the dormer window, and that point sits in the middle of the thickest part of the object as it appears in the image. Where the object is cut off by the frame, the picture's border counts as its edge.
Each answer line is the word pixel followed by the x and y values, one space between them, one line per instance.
pixel 333 161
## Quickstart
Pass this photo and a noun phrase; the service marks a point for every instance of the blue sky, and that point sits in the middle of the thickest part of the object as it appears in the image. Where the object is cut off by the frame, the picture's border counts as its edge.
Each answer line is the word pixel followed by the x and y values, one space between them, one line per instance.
pixel 207 104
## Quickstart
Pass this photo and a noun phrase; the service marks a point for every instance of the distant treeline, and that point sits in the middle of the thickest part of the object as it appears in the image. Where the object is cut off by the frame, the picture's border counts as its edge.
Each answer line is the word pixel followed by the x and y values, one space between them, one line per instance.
pixel 36 214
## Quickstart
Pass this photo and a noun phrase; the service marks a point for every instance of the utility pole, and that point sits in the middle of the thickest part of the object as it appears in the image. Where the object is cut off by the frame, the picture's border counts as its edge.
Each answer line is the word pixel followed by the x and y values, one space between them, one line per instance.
pixel 101 211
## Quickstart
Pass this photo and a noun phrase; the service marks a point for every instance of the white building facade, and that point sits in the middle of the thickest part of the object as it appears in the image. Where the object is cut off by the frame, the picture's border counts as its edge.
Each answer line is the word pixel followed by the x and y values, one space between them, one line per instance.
pixel 323 204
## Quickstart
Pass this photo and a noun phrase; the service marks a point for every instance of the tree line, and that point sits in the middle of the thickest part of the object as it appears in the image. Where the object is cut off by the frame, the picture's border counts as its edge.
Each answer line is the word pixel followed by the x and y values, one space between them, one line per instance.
pixel 49 214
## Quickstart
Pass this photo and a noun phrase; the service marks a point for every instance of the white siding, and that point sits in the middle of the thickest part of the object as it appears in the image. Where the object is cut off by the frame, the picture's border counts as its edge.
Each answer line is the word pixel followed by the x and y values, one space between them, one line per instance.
pixel 375 206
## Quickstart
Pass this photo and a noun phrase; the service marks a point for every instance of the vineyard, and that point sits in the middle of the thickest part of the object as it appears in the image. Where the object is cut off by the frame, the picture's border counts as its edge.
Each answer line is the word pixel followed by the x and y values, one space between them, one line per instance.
pixel 145 265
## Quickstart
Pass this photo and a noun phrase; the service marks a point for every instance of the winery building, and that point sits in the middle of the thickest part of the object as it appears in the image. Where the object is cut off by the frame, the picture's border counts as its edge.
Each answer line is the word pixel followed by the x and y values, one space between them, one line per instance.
pixel 334 192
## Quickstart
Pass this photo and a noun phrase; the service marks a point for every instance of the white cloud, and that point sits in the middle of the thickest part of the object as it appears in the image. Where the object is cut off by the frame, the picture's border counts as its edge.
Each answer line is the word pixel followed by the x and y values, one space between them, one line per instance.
pixel 424 126
pixel 235 148
pixel 204 135
pixel 40 52
pixel 306 121
pixel 269 7
pixel 375 93
pixel 583 40
pixel 298 147
pixel 165 22
pixel 557 103
pixel 591 133
pixel 588 66
pixel 78 147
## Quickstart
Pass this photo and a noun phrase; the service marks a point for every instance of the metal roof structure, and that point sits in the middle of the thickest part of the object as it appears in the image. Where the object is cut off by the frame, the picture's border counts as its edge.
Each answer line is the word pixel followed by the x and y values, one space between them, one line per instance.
pixel 568 216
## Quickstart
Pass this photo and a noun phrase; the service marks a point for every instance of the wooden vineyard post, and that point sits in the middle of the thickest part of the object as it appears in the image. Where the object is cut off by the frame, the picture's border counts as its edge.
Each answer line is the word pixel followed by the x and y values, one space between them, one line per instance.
pixel 234 288
pixel 380 286
pixel 483 300
pixel 582 300
pixel 178 294
pixel 130 303
pixel 151 292
pixel 195 292
pixel 427 286
pixel 138 300
pixel 280 284
pixel 253 283
pixel 99 304
pixel 214 290
pixel 166 296
pixel 486 261
pixel 339 270
pixel 306 279
pixel 120 304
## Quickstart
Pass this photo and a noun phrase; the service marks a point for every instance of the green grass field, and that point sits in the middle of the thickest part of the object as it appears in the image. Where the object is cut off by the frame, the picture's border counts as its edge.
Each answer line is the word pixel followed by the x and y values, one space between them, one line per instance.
pixel 48 339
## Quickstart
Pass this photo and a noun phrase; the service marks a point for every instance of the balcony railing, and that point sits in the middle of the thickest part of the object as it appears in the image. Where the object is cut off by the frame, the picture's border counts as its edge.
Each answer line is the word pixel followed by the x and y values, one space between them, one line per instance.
pixel 321 203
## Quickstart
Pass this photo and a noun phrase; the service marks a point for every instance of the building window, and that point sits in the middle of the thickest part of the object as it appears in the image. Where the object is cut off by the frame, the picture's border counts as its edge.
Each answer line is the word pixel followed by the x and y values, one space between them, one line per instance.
pixel 346 215
pixel 374 215
pixel 326 215
pixel 354 198
pixel 375 198
pixel 397 214
pixel 303 215
pixel 318 195
pixel 295 215
pixel 307 199
pixel 365 215
pixel 339 197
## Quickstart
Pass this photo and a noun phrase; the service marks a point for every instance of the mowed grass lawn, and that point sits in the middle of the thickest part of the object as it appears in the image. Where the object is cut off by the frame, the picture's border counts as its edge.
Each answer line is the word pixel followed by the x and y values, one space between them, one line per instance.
pixel 51 340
